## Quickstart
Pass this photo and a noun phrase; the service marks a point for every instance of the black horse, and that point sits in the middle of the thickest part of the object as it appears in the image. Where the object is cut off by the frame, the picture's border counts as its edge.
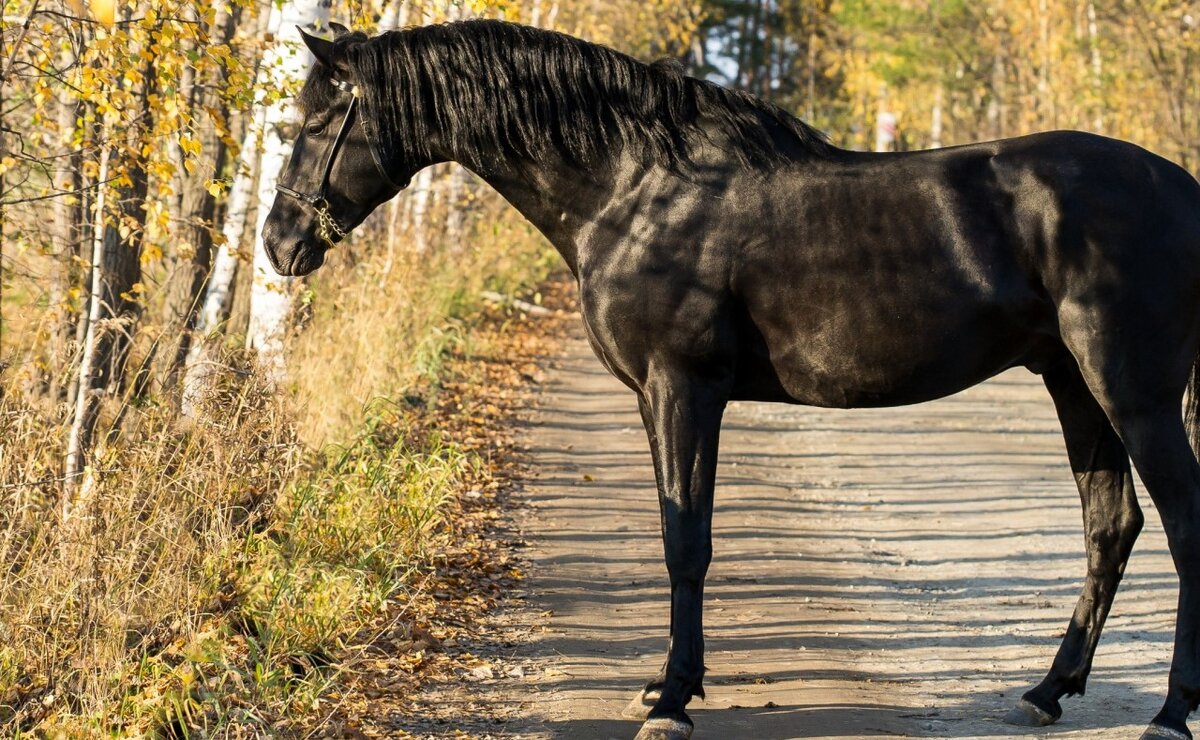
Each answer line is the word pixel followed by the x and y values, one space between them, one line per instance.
pixel 724 250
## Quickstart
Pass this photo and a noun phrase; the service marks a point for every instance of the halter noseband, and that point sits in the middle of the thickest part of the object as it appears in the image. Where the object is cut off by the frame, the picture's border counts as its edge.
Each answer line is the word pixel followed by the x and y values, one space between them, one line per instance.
pixel 327 224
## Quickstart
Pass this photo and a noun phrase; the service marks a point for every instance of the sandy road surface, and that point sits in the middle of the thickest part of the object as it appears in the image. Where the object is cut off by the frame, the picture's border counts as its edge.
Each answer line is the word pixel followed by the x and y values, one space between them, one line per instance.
pixel 900 572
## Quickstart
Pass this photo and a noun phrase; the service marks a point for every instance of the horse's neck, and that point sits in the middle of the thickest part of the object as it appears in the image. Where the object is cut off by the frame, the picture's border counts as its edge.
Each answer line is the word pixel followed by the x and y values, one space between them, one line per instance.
pixel 559 199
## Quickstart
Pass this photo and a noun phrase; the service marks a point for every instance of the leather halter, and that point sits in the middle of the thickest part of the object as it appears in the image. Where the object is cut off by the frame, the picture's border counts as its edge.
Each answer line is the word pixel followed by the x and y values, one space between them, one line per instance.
pixel 327 224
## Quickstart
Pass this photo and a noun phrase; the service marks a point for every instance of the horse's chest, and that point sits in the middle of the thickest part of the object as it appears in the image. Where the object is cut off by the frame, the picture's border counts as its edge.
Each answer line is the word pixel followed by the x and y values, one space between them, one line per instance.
pixel 669 307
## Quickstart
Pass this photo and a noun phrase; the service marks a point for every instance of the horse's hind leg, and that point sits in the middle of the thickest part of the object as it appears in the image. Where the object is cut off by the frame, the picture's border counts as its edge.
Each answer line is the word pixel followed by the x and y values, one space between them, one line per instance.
pixel 1112 521
pixel 1158 444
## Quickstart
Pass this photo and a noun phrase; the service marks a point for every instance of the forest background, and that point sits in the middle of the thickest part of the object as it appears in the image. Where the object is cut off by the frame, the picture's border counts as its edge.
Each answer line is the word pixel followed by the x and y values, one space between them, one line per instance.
pixel 209 474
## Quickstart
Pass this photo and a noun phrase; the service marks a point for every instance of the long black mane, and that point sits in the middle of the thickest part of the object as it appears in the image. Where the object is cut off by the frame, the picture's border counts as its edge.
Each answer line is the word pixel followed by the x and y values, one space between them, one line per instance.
pixel 493 87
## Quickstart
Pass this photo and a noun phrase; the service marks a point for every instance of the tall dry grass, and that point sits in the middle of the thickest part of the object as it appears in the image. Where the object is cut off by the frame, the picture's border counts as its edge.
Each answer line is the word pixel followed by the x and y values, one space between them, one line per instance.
pixel 389 316
pixel 217 563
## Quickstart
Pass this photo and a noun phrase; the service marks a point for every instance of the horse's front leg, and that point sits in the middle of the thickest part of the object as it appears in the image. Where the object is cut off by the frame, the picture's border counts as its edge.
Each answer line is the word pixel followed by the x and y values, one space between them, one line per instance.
pixel 683 420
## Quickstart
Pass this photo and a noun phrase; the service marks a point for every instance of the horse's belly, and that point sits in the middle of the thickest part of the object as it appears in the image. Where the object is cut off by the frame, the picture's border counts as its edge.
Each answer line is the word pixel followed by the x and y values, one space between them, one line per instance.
pixel 886 363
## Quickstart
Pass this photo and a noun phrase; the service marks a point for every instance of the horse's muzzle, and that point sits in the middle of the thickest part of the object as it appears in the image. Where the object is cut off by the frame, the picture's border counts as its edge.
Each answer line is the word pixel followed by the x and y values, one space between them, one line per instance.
pixel 291 255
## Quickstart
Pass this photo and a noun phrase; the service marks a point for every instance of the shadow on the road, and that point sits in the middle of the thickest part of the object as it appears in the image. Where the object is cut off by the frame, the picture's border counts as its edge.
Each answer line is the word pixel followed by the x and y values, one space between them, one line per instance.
pixel 943 568
pixel 850 720
pixel 775 723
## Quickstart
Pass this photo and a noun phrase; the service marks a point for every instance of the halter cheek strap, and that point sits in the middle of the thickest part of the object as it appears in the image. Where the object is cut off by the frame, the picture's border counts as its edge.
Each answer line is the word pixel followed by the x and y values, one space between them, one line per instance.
pixel 327 223
pixel 353 90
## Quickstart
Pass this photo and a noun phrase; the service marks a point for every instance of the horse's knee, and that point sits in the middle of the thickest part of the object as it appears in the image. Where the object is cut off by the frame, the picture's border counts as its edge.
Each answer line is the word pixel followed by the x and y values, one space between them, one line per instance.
pixel 688 560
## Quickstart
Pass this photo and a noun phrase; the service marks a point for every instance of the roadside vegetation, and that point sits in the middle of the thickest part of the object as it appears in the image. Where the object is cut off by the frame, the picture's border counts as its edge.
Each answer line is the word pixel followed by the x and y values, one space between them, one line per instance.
pixel 218 564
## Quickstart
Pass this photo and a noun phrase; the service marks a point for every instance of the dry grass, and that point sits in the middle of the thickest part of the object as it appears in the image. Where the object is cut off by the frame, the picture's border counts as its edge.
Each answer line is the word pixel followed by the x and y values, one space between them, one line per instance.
pixel 382 323
pixel 205 582
pixel 139 561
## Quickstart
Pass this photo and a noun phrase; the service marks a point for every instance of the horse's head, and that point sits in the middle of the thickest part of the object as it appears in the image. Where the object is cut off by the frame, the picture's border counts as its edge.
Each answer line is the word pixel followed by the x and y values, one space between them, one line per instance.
pixel 334 179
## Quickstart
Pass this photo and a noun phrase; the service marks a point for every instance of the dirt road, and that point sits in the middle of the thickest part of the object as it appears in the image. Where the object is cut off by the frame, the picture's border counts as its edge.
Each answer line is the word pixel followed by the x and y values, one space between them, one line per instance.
pixel 901 572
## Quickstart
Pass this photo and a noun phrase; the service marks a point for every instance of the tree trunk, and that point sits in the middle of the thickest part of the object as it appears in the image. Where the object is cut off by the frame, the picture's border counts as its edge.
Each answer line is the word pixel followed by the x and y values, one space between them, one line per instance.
pixel 271 294
pixel 395 15
pixel 935 125
pixel 114 306
pixel 219 291
pixel 997 109
pixel 251 193
pixel 113 311
pixel 68 236
pixel 418 197
pixel 1047 109
pixel 1093 29
pixel 197 212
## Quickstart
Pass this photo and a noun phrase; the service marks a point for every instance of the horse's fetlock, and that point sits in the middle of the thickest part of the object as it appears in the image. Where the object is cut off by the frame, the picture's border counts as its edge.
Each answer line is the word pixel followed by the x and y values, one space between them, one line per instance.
pixel 697 688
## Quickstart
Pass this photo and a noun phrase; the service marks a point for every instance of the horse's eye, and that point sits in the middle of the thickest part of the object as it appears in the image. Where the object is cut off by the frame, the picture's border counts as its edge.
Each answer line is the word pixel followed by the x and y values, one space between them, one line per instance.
pixel 316 129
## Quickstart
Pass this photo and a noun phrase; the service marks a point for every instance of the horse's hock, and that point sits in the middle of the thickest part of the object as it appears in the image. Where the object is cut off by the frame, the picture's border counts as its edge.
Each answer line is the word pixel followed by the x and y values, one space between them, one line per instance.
pixel 904 571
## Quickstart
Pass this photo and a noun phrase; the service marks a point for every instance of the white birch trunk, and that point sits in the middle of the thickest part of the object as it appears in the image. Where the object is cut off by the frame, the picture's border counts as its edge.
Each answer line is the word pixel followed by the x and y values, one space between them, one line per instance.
pixel 395 15
pixel 935 126
pixel 77 442
pixel 218 293
pixel 217 297
pixel 456 188
pixel 219 290
pixel 419 199
pixel 454 183
pixel 1046 108
pixel 393 235
pixel 997 110
pixel 271 294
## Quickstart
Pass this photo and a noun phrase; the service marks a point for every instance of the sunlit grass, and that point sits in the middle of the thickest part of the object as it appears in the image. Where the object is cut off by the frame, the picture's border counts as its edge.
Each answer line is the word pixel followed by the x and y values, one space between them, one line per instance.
pixel 207 581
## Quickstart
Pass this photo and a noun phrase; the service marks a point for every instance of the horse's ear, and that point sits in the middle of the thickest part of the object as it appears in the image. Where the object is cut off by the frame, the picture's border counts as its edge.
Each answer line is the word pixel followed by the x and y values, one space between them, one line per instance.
pixel 324 50
pixel 338 29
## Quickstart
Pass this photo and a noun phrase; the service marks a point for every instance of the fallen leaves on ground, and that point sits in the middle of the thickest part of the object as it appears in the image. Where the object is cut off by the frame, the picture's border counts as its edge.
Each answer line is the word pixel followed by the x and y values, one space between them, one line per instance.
pixel 422 670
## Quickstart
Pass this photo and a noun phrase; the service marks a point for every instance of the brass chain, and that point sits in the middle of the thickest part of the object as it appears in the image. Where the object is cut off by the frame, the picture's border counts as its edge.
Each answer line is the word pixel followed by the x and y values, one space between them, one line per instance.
pixel 327 225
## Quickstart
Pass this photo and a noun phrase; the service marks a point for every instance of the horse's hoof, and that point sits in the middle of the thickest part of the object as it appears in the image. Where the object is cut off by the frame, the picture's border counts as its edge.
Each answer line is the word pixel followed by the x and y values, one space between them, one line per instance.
pixel 1028 714
pixel 641 705
pixel 1158 732
pixel 664 728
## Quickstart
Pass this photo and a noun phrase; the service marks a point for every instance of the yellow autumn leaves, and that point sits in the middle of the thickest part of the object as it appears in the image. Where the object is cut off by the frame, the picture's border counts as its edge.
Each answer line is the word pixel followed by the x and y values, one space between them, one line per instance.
pixel 104 11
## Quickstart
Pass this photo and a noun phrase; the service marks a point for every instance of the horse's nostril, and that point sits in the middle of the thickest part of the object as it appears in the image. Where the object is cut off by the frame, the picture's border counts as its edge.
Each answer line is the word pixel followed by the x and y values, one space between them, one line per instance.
pixel 270 237
pixel 273 243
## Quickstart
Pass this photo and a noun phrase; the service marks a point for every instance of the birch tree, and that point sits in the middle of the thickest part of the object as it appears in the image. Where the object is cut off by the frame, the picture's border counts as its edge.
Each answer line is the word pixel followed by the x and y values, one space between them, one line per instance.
pixel 271 294
pixel 114 301
pixel 262 151
pixel 197 196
